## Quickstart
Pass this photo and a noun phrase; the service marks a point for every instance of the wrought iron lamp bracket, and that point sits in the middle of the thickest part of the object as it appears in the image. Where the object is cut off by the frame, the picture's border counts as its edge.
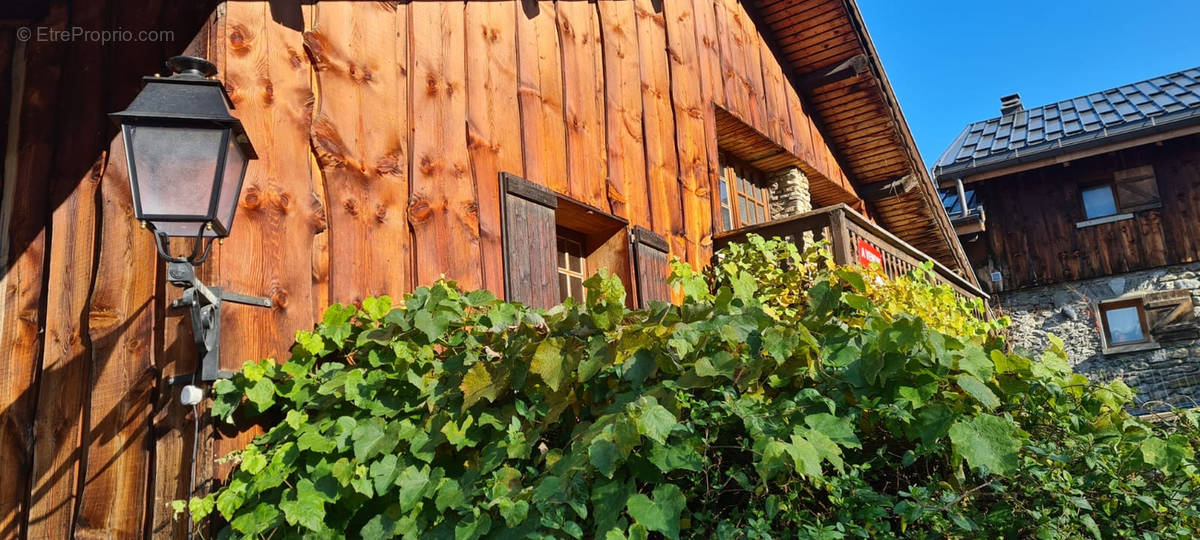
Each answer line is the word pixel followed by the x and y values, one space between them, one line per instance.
pixel 204 302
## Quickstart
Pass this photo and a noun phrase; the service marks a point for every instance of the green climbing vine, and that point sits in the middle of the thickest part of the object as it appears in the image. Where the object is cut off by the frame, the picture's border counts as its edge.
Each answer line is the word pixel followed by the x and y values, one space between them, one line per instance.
pixel 784 397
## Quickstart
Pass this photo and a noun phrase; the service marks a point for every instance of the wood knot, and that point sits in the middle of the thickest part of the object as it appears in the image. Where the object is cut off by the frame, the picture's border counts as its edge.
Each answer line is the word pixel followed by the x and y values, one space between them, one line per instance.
pixel 252 197
pixel 268 94
pixel 279 297
pixel 389 165
pixel 419 212
pixel 429 166
pixel 477 143
pixel 351 206
pixel 283 202
pixel 491 34
pixel 431 85
pixel 381 213
pixel 239 39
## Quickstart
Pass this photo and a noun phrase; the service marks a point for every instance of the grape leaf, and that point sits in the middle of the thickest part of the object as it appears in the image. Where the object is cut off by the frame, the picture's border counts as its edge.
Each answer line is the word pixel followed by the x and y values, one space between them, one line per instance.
pixel 548 362
pixel 987 441
pixel 978 390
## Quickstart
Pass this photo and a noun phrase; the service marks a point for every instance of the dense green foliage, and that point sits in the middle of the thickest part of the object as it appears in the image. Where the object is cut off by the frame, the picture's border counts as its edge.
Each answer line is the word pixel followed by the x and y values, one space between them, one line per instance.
pixel 784 397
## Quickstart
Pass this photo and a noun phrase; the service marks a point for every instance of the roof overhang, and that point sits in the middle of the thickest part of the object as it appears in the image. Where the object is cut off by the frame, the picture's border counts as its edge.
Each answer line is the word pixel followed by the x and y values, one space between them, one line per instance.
pixel 829 58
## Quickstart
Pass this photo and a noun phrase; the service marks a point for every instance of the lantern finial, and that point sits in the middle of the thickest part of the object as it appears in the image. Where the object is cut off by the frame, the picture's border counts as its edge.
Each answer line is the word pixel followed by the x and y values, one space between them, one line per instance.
pixel 190 66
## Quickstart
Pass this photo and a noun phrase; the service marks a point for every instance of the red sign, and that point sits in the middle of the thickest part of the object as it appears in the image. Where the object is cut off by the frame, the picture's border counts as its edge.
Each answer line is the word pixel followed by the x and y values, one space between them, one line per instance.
pixel 868 254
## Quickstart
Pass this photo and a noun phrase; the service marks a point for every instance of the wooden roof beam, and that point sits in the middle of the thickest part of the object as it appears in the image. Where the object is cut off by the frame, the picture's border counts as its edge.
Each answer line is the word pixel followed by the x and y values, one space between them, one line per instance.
pixel 885 190
pixel 852 67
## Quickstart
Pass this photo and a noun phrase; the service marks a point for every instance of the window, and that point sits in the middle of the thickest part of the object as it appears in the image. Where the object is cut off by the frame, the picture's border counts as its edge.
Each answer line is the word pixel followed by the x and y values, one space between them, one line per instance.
pixel 1098 201
pixel 1145 321
pixel 1129 190
pixel 572 265
pixel 1124 322
pixel 552 243
pixel 745 195
pixel 953 205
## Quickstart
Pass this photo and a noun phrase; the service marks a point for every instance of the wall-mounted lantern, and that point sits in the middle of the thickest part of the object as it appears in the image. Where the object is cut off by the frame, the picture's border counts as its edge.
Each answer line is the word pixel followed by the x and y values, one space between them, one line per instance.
pixel 187 156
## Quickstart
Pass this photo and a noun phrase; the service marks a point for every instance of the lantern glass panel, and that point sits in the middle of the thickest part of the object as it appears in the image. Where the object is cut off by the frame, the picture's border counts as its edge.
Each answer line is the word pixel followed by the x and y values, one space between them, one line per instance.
pixel 175 169
pixel 231 184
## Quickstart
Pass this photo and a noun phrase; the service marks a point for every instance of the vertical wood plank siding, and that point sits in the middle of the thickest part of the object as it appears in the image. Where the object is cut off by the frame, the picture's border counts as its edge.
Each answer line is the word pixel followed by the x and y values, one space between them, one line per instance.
pixel 383 128
pixel 1031 218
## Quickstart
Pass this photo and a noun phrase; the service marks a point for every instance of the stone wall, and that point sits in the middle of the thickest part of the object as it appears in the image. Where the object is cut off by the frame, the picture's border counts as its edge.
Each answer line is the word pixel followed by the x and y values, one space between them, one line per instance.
pixel 1168 373
pixel 789 193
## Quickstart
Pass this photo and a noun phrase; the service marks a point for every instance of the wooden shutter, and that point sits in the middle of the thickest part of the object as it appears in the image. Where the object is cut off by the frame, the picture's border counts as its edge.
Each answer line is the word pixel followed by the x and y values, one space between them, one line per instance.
pixel 1170 315
pixel 1137 189
pixel 530 242
pixel 651 265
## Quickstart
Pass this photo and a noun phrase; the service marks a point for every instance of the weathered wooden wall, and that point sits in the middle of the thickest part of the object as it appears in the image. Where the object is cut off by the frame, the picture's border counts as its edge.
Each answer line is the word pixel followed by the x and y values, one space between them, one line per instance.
pixel 381 128
pixel 1031 218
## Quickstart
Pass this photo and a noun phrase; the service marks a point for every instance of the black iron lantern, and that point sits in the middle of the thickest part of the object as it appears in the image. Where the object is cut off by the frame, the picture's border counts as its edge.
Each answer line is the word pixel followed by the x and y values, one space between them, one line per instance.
pixel 187 157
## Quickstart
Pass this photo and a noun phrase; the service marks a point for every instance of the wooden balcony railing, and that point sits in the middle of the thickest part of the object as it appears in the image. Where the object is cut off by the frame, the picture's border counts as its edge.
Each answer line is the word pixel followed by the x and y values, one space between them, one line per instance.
pixel 852 239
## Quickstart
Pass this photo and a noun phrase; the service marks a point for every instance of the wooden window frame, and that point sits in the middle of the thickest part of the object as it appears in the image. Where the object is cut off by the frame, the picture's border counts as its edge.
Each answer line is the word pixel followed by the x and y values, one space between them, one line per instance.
pixel 742 174
pixel 1108 347
pixel 604 237
pixel 565 235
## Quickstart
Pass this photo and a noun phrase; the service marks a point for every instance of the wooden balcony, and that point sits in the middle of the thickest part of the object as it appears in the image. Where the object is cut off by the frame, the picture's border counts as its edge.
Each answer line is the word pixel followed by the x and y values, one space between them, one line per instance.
pixel 853 239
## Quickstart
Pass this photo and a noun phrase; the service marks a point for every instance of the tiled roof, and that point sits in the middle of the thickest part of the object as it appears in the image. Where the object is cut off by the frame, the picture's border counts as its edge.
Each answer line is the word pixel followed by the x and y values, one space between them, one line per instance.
pixel 1124 112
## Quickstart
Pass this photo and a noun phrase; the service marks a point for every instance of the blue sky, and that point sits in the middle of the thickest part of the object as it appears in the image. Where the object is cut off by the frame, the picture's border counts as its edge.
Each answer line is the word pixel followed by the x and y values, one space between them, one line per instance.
pixel 950 61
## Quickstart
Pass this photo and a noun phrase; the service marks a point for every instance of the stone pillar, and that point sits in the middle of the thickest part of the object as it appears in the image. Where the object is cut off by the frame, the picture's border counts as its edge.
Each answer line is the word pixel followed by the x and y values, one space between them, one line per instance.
pixel 789 193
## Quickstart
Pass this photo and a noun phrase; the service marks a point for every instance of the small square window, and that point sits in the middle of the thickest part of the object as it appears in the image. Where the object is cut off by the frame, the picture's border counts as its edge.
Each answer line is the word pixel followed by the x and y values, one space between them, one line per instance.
pixel 1098 201
pixel 572 269
pixel 1124 322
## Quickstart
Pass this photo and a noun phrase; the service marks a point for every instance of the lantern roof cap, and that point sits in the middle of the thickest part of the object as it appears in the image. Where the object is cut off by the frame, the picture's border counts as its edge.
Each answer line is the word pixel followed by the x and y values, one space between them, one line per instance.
pixel 190 95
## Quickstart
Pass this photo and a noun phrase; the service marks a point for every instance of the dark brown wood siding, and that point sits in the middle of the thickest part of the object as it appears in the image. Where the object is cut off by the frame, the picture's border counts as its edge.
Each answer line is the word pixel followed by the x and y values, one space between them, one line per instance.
pixel 1031 218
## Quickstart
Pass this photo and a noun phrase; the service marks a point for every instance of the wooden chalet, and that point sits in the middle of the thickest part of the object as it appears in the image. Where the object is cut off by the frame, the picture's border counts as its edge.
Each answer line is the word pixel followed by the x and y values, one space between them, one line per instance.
pixel 511 145
pixel 1082 217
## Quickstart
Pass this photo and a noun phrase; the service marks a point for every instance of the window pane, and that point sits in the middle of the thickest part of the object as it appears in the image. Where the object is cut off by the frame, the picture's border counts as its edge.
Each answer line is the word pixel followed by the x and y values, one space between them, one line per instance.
pixel 744 212
pixel 564 289
pixel 1098 201
pixel 1124 325
pixel 576 263
pixel 577 288
pixel 726 218
pixel 724 192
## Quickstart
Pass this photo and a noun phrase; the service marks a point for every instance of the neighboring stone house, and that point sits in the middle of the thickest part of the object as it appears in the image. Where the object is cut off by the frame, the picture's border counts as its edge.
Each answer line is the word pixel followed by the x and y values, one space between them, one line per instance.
pixel 1082 218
